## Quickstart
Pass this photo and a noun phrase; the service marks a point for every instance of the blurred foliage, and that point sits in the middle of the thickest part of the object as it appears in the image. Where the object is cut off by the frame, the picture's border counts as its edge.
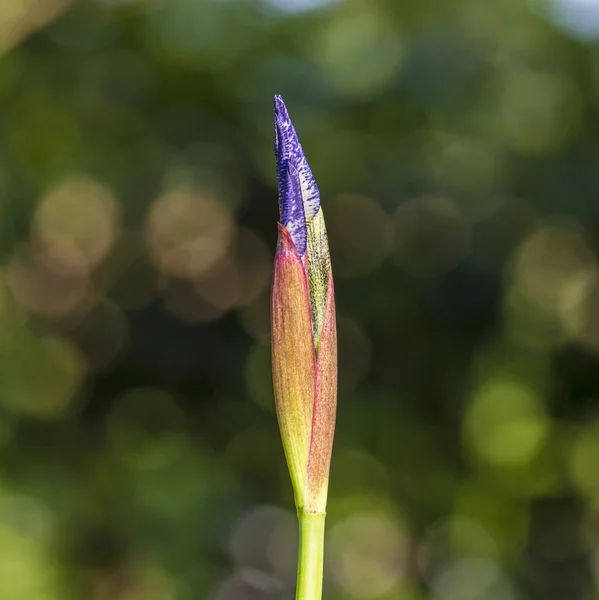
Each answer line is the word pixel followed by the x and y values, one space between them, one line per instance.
pixel 456 148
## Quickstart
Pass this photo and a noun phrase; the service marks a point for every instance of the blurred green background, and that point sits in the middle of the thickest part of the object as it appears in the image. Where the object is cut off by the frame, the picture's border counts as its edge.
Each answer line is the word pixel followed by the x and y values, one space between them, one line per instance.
pixel 456 145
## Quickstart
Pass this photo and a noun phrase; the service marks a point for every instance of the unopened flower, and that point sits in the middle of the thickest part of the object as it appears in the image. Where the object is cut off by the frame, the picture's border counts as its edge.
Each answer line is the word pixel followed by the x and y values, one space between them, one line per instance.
pixel 304 337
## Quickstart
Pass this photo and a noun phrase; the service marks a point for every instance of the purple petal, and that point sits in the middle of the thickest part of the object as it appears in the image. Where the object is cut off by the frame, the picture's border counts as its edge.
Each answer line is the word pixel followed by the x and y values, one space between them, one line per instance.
pixel 299 198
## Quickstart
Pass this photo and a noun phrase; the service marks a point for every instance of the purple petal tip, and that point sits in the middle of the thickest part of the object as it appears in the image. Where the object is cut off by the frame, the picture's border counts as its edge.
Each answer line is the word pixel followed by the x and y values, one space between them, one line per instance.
pixel 299 198
pixel 281 113
pixel 290 195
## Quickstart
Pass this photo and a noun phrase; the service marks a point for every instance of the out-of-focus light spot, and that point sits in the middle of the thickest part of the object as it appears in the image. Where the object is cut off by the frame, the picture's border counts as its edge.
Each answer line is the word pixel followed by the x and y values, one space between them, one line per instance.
pixel 241 276
pixel 539 110
pixel 281 551
pixel 550 296
pixel 203 165
pixel 360 234
pixel 457 537
pixel 167 479
pixel 579 18
pixel 27 570
pixel 360 51
pixel 584 461
pixel 80 213
pixel 471 579
pixel 101 334
pixel 355 353
pixel 554 267
pixel 297 6
pixel 27 515
pixel 258 371
pixel 263 547
pixel 188 232
pixel 431 236
pixel 530 326
pixel 41 377
pixel 489 533
pixel 182 300
pixel 368 554
pixel 220 286
pixel 19 18
pixel 506 424
pixel 51 280
pixel 465 164
pixel 146 426
pixel 581 320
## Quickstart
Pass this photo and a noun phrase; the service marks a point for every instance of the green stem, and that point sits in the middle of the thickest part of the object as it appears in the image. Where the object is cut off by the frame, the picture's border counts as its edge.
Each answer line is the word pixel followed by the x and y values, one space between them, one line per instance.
pixel 311 556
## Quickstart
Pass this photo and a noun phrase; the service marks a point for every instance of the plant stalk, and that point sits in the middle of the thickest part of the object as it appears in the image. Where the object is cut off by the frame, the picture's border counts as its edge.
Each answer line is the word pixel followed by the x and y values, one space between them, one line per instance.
pixel 311 556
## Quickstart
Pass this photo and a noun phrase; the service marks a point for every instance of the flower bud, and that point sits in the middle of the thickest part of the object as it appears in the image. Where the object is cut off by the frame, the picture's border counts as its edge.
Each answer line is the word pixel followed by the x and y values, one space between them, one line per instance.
pixel 304 335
